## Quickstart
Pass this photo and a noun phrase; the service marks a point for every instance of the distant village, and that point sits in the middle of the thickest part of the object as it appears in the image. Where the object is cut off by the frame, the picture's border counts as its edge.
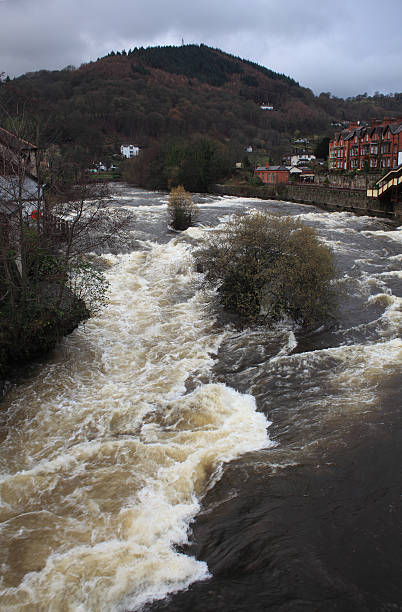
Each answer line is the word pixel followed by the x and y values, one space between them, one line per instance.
pixel 375 148
pixel 357 147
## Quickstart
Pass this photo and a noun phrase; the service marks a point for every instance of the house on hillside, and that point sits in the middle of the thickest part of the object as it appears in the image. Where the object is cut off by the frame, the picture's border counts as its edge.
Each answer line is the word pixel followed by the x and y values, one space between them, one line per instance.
pixel 129 150
pixel 302 159
pixel 298 159
pixel 266 106
pixel 19 163
pixel 272 175
pixel 375 147
pixel 20 195
pixel 17 152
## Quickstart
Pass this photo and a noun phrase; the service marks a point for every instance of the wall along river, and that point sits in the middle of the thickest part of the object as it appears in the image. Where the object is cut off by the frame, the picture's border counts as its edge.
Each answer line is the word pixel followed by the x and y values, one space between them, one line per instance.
pixel 160 460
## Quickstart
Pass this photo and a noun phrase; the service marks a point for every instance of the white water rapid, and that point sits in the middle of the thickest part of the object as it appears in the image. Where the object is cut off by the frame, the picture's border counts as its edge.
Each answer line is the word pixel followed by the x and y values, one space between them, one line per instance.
pixel 107 454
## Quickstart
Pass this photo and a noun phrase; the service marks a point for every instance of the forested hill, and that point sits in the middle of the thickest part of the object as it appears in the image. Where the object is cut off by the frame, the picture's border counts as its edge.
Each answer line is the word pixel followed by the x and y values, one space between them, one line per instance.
pixel 143 96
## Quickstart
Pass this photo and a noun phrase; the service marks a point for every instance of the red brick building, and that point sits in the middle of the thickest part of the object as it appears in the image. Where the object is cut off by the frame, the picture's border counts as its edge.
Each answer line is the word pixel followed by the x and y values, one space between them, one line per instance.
pixel 272 175
pixel 375 147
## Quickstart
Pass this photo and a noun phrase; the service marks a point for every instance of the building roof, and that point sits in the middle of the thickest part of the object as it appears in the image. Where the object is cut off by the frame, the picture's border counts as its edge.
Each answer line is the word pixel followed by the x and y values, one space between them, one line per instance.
pixel 273 168
pixel 15 142
pixel 394 126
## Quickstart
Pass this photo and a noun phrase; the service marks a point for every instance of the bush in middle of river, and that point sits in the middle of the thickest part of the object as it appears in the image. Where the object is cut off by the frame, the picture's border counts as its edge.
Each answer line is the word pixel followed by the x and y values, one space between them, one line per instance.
pixel 267 267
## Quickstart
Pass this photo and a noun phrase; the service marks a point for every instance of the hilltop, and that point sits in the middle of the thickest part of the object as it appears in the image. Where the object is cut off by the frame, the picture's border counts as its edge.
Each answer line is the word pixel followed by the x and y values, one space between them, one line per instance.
pixel 146 95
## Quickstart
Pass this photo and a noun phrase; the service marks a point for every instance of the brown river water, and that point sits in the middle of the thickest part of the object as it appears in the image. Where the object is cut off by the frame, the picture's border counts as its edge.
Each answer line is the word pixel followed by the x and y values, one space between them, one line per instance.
pixel 161 460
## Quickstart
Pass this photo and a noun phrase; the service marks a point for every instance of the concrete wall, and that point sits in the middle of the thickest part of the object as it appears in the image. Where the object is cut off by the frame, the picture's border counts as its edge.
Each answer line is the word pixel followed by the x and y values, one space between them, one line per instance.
pixel 331 198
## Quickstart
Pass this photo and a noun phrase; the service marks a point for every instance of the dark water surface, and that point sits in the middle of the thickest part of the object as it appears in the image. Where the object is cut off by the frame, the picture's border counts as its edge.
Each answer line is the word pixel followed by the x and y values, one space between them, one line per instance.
pixel 150 418
pixel 315 524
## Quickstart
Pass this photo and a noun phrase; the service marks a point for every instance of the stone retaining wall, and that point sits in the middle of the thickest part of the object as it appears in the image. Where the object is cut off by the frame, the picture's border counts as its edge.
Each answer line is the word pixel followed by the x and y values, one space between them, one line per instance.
pixel 362 180
pixel 331 198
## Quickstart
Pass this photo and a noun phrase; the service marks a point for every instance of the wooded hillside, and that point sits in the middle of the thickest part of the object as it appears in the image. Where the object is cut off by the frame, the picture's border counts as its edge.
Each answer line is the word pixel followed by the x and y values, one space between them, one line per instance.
pixel 144 96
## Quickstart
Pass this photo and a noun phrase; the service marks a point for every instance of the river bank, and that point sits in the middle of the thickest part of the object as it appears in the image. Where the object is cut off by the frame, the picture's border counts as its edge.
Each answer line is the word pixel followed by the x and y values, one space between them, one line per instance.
pixel 336 199
pixel 24 339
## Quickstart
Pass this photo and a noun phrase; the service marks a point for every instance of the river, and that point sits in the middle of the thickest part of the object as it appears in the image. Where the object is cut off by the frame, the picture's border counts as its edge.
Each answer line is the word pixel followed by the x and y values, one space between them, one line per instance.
pixel 161 460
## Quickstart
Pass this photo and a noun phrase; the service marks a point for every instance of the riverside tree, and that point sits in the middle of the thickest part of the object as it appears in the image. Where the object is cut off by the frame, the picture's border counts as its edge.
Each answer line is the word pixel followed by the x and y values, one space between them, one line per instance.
pixel 267 267
pixel 181 208
pixel 197 164
pixel 48 282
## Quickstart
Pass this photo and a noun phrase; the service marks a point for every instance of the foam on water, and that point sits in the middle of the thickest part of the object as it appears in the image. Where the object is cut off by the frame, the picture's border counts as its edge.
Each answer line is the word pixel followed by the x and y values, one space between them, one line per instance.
pixel 107 455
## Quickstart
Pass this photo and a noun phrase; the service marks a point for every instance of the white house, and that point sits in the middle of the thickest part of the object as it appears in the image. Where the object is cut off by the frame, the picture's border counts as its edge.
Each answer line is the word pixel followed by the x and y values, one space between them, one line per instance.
pixel 302 158
pixel 295 170
pixel 129 150
pixel 267 107
pixel 14 191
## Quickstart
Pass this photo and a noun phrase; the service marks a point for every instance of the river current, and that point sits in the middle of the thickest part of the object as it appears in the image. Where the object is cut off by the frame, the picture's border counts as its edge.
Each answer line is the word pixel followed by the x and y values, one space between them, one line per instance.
pixel 160 459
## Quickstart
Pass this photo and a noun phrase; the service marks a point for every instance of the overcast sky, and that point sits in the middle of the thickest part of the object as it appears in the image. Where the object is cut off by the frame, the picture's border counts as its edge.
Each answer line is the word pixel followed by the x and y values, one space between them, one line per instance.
pixel 346 47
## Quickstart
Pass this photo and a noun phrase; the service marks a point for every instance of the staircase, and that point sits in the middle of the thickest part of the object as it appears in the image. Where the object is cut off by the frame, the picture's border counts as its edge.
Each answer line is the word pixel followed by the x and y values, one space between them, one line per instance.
pixel 388 186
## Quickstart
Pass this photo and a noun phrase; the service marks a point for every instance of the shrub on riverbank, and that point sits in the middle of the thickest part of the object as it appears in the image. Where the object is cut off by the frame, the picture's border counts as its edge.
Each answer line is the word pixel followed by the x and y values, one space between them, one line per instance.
pixel 267 267
pixel 48 281
pixel 25 336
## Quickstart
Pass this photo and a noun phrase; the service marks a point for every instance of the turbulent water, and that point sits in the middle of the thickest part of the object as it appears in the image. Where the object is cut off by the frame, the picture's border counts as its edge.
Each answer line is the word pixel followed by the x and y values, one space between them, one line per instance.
pixel 285 450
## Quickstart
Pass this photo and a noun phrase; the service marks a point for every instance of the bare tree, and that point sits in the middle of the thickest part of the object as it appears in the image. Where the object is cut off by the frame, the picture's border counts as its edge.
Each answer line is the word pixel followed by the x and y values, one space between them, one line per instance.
pixel 20 196
pixel 49 225
pixel 83 213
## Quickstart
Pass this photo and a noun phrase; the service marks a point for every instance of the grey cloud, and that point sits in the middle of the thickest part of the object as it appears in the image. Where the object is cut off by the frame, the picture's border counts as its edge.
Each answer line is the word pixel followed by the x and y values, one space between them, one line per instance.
pixel 325 47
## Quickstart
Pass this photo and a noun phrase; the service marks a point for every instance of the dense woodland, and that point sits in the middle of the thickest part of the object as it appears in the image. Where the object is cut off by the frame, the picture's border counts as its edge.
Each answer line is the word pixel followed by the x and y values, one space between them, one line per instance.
pixel 150 96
